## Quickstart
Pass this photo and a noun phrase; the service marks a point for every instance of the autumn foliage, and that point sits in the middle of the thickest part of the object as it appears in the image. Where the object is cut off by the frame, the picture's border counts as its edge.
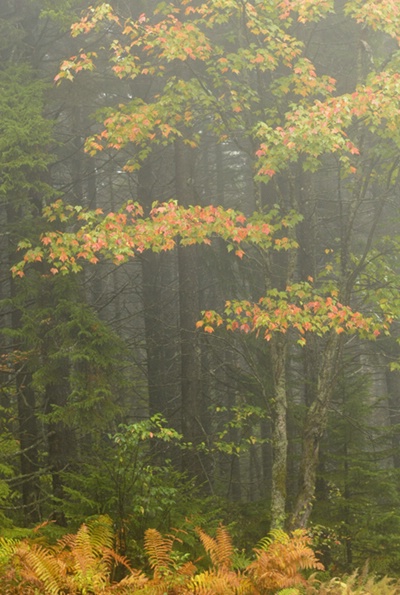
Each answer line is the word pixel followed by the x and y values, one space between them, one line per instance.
pixel 85 562
pixel 127 233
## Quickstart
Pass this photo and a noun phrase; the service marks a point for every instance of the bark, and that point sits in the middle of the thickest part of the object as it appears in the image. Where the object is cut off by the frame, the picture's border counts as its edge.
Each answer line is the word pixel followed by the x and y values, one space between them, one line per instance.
pixel 279 432
pixel 314 428
pixel 159 315
pixel 189 310
pixel 60 438
pixel 28 431
pixel 393 389
pixel 160 348
pixel 29 440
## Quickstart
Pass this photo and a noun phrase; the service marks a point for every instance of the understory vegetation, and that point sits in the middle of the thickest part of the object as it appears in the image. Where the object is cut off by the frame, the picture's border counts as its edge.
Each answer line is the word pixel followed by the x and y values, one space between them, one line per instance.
pixel 87 563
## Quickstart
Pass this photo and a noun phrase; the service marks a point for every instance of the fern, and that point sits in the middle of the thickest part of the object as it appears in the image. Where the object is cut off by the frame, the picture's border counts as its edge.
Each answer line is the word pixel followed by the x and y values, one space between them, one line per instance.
pixel 220 548
pixel 170 574
pixel 356 584
pixel 280 558
pixel 30 567
pixel 87 556
pixel 158 549
pixel 83 563
pixel 221 582
pixel 275 536
pixel 77 564
pixel 221 579
pixel 45 566
pixel 7 550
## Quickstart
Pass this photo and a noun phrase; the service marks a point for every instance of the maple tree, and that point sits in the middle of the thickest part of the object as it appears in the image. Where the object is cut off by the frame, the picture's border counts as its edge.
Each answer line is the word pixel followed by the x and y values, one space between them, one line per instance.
pixel 124 234
pixel 266 96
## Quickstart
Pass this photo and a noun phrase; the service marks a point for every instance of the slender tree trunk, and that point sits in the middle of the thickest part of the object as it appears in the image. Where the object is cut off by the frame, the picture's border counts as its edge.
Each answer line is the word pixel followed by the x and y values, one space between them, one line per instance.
pixel 314 428
pixel 159 315
pixel 189 310
pixel 60 438
pixel 279 432
pixel 28 432
pixel 29 440
pixel 393 389
pixel 152 305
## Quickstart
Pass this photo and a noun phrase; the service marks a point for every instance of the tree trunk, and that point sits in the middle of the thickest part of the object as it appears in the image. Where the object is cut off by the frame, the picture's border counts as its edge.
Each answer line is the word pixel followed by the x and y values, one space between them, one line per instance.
pixel 314 427
pixel 189 311
pixel 279 432
pixel 60 438
pixel 28 433
pixel 160 316
pixel 393 390
pixel 29 440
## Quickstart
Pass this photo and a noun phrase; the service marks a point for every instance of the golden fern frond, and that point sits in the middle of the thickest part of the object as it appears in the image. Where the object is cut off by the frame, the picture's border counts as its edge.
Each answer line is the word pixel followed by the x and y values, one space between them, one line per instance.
pixel 355 584
pixel 300 551
pixel 158 549
pixel 208 543
pixel 171 584
pixel 209 583
pixel 101 533
pixel 94 536
pixel 221 582
pixel 220 548
pixel 187 569
pixel 278 565
pixel 132 583
pixel 112 557
pixel 224 547
pixel 88 551
pixel 82 549
pixel 40 566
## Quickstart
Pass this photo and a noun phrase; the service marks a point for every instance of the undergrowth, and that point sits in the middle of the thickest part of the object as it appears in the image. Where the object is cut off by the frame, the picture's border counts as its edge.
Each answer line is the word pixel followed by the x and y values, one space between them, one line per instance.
pixel 86 563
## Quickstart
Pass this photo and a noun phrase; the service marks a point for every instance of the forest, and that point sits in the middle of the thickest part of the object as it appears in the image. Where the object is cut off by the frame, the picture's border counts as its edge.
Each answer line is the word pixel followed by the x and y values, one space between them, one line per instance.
pixel 200 296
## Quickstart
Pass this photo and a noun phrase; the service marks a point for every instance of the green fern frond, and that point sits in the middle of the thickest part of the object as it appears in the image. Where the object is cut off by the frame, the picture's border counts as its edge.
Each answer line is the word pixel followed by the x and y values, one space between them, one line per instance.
pixel 7 549
pixel 274 536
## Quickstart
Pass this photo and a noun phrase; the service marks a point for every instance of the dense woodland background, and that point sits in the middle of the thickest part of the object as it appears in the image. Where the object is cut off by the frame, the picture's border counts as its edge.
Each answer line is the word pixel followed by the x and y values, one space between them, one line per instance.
pixel 111 401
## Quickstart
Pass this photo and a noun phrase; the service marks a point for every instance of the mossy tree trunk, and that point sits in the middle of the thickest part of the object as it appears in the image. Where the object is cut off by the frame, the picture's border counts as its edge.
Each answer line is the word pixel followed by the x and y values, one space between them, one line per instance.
pixel 313 430
pixel 279 432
